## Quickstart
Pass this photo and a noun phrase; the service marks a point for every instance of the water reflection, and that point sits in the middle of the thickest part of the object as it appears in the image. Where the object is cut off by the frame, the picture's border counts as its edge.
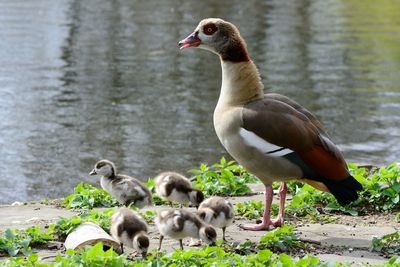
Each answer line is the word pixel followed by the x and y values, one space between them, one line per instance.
pixel 84 80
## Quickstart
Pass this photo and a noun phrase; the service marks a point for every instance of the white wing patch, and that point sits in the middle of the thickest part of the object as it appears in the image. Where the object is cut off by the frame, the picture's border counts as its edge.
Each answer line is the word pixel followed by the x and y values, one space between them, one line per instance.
pixel 251 139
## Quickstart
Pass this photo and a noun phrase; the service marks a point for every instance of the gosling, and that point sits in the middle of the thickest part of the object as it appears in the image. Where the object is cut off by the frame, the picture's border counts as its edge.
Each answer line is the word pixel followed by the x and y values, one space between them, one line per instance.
pixel 218 212
pixel 125 189
pixel 173 186
pixel 179 223
pixel 130 229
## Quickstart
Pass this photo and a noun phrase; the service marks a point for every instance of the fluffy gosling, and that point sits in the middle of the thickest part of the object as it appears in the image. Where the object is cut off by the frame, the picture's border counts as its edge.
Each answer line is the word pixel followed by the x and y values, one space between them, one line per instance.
pixel 173 186
pixel 124 188
pixel 218 212
pixel 179 223
pixel 130 229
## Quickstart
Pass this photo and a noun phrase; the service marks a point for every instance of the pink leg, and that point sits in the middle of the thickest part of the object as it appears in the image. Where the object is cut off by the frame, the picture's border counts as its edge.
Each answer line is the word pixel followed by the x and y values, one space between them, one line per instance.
pixel 282 197
pixel 266 220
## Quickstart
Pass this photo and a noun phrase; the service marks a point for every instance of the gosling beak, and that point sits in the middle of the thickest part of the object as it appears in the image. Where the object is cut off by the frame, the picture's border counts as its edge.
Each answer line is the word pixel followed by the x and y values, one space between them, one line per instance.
pixel 191 41
pixel 213 244
pixel 144 255
pixel 93 172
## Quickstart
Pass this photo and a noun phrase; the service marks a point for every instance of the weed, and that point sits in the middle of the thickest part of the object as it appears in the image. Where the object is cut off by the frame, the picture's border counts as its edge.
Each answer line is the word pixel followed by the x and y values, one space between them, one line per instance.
pixel 65 226
pixel 16 241
pixel 381 192
pixel 223 179
pixel 207 256
pixel 252 209
pixel 281 239
pixel 86 196
pixel 148 215
pixel 388 244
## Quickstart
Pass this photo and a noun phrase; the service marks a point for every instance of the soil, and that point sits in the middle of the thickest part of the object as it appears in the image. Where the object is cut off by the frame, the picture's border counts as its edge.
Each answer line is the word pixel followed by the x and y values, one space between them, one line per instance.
pixel 347 239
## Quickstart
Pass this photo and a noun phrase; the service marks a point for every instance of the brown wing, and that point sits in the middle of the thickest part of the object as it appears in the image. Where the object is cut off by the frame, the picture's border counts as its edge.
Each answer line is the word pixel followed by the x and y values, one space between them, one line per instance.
pixel 283 122
pixel 299 108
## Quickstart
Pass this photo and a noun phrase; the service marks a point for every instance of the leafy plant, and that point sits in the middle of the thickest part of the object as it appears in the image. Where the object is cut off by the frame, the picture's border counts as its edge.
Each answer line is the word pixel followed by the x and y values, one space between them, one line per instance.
pixel 382 188
pixel 148 215
pixel 92 256
pixel 281 239
pixel 252 209
pixel 381 192
pixel 65 226
pixel 15 241
pixel 223 179
pixel 388 244
pixel 12 243
pixel 86 196
pixel 30 261
pixel 236 169
pixel 207 256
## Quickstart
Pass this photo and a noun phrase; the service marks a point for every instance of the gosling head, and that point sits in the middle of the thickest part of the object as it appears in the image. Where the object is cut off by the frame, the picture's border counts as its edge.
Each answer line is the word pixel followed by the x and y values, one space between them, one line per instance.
pixel 141 243
pixel 220 37
pixel 196 197
pixel 208 234
pixel 104 168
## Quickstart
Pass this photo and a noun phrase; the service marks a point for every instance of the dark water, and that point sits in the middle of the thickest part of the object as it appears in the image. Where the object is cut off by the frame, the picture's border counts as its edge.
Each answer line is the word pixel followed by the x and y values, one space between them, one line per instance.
pixel 85 80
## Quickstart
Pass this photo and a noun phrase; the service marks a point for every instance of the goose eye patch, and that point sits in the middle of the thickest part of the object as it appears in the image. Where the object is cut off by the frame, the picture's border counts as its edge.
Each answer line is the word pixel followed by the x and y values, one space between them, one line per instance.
pixel 101 164
pixel 209 29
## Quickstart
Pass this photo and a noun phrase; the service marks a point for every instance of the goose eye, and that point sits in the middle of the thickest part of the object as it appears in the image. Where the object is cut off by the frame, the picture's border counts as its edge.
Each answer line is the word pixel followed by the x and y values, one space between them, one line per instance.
pixel 209 29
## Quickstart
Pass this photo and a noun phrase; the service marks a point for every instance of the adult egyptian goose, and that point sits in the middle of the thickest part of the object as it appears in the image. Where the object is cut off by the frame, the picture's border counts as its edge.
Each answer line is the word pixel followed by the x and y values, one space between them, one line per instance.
pixel 124 188
pixel 272 136
pixel 180 223
pixel 218 212
pixel 173 186
pixel 130 229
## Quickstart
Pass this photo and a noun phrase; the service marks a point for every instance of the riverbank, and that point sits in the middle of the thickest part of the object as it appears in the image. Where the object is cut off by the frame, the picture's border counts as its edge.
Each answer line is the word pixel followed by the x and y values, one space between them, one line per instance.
pixel 346 239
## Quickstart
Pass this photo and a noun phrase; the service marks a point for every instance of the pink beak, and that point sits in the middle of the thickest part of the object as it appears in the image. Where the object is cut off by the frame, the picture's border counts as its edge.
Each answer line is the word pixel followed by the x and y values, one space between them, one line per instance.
pixel 191 41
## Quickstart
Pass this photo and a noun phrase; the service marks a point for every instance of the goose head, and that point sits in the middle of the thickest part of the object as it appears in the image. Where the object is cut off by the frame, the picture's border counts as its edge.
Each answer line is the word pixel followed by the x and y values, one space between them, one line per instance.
pixel 104 168
pixel 208 234
pixel 220 37
pixel 141 243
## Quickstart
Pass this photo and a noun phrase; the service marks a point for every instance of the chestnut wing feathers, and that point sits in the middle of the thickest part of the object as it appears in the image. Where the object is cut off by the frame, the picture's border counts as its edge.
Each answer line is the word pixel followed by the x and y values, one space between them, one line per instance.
pixel 289 125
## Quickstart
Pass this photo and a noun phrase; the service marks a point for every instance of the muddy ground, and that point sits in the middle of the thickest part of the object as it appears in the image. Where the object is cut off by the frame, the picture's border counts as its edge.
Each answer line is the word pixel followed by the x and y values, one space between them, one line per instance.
pixel 347 239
